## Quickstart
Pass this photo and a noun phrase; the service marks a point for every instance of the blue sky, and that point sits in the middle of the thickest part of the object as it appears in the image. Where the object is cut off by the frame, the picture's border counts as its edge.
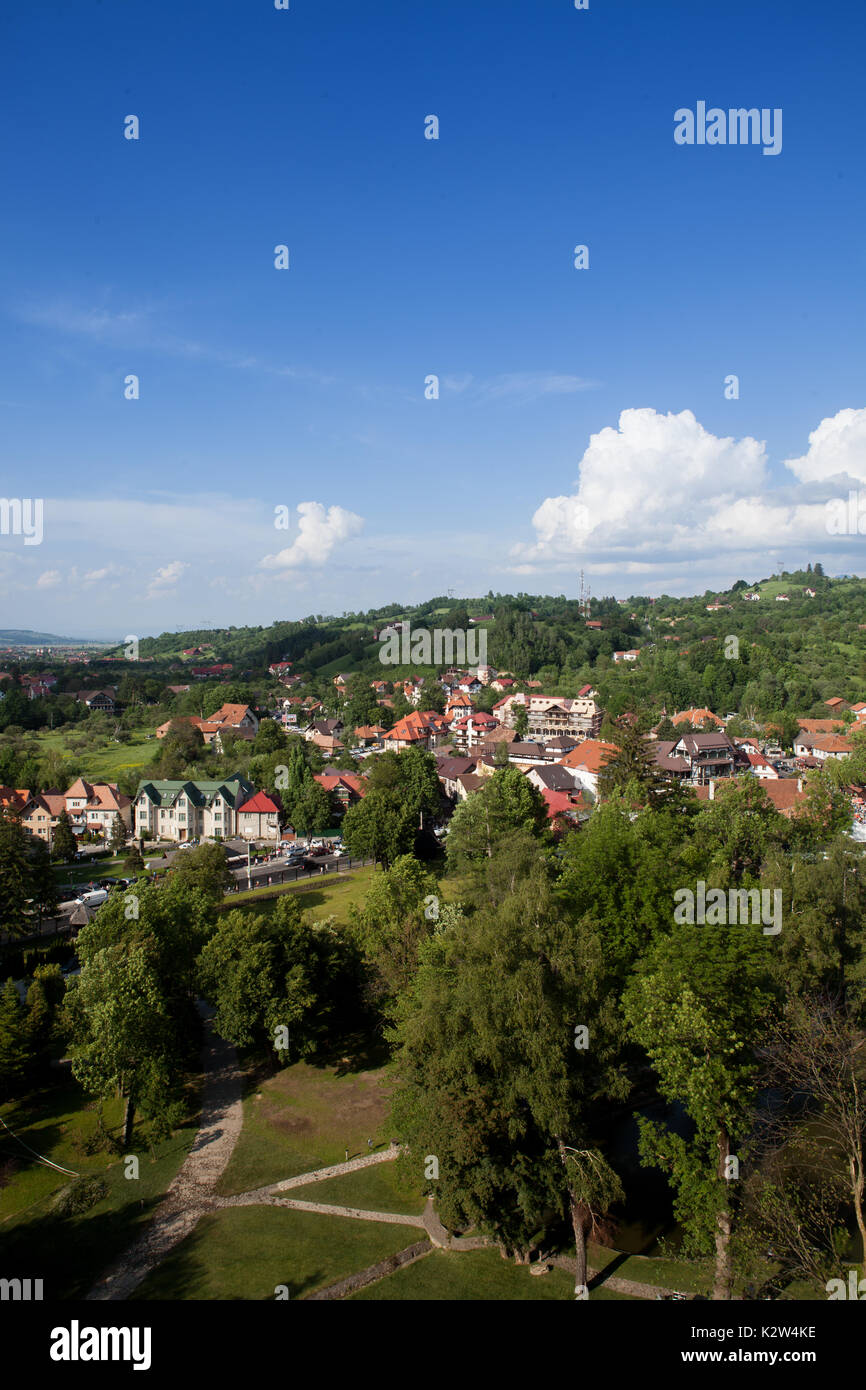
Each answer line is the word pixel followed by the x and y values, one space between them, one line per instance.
pixel 582 417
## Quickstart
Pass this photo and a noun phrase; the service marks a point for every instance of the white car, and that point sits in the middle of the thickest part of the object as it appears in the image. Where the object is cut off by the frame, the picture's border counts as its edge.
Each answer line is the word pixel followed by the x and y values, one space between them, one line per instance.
pixel 93 898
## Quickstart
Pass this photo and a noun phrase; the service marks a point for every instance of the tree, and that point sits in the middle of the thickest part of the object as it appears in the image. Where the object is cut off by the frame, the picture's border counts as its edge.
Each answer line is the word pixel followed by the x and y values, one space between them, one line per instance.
pixel 13 1039
pixel 521 721
pixel 380 826
pixel 43 885
pixel 814 1059
pixel 398 914
pixel 205 868
pixel 414 775
pixel 119 834
pixel 493 1079
pixel 507 802
pixel 121 1029
pixel 15 876
pixel 130 1014
pixel 63 844
pixel 133 862
pixel 270 738
pixel 311 810
pixel 631 770
pixel 696 1006
pixel 274 972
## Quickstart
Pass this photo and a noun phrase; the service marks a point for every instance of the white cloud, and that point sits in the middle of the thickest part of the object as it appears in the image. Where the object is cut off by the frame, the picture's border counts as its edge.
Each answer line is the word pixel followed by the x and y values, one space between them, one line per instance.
pixel 654 480
pixel 319 530
pixel 660 491
pixel 837 448
pixel 49 579
pixel 166 578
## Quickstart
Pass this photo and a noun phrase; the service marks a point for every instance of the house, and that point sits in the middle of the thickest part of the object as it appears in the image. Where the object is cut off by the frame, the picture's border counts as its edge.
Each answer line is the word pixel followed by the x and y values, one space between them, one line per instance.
pixel 279 668
pixel 210 673
pixel 179 689
pixel 559 745
pixel 323 728
pixel 786 794
pixel 551 779
pixel 104 700
pixel 458 706
pixel 821 726
pixel 836 704
pixel 594 624
pixel 586 761
pixel 472 730
pixel 418 730
pixel 448 770
pixel 782 598
pixel 486 674
pixel 41 814
pixel 822 746
pixel 238 718
pixel 502 683
pixel 14 799
pixel 380 687
pixel 258 818
pixel 696 717
pixel 761 766
pixel 564 808
pixel 190 810
pixel 809 593
pixel 708 756
pixel 346 788
pixel 752 598
pixel 368 734
pixel 96 806
pixel 626 656
pixel 528 754
pixel 672 766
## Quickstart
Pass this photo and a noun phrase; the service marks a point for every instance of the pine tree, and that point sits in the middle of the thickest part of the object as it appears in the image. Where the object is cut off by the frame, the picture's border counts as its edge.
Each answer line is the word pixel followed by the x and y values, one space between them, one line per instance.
pixel 64 845
pixel 119 832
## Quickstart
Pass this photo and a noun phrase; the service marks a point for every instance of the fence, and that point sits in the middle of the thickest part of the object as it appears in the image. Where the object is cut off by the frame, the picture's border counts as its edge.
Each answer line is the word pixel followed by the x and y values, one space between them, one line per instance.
pixel 275 877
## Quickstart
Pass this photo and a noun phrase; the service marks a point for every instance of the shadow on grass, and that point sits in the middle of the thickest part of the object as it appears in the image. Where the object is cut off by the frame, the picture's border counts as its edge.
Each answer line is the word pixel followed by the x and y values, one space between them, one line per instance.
pixel 69 1254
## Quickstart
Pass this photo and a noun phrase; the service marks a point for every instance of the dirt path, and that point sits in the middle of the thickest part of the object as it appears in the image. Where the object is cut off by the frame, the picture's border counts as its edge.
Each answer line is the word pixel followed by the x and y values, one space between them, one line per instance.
pixel 191 1193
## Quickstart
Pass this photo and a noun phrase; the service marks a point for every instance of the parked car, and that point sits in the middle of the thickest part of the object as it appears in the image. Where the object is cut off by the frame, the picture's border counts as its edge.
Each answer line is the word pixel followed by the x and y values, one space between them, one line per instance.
pixel 92 898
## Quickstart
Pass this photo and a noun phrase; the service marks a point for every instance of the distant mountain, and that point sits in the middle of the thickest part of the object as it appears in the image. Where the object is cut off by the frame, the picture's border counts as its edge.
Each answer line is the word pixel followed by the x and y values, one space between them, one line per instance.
pixel 24 637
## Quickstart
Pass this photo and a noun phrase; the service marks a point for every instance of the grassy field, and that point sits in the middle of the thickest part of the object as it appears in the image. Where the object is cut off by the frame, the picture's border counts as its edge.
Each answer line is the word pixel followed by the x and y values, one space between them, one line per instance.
pixel 370 1189
pixel 334 895
pixel 106 763
pixel 475 1276
pixel 69 1253
pixel 306 1117
pixel 247 1252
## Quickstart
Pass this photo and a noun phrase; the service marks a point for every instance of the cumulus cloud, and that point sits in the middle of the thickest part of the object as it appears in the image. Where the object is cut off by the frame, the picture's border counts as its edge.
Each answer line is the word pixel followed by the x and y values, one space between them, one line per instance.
pixel 660 488
pixel 49 579
pixel 166 578
pixel 319 530
pixel 837 450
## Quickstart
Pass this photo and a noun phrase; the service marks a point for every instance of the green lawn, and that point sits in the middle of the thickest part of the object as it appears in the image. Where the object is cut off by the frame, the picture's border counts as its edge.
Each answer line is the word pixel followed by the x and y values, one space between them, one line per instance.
pixel 370 1189
pixel 247 1252
pixel 69 1253
pixel 335 895
pixel 102 764
pixel 304 1118
pixel 472 1276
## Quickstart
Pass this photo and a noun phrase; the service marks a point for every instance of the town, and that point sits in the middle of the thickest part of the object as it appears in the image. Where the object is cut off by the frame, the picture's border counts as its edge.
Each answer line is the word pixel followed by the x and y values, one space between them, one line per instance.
pixel 238 808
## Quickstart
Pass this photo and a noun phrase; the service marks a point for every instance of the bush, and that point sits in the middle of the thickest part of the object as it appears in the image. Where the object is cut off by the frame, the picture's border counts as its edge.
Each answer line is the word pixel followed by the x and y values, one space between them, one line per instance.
pixel 80 1196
